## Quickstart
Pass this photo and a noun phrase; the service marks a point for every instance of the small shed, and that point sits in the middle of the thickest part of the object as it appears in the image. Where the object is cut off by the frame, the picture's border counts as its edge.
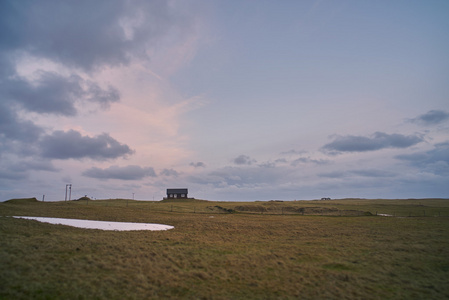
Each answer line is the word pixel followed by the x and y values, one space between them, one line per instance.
pixel 177 193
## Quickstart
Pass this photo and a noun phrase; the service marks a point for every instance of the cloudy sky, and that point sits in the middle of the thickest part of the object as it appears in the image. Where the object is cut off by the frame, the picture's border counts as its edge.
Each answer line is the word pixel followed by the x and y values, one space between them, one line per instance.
pixel 235 100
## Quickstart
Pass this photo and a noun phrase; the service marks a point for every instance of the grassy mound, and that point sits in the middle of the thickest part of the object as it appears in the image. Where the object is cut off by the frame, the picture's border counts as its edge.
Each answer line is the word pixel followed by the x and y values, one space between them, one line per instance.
pixel 251 208
pixel 22 200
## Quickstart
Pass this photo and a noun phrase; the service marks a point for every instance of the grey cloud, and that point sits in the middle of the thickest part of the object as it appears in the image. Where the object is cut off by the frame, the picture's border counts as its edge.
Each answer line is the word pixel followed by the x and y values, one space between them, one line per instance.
pixel 53 93
pixel 86 34
pixel 12 128
pixel 306 160
pixel 280 160
pixel 432 117
pixel 71 144
pixel 198 164
pixel 273 164
pixel 20 170
pixel 374 173
pixel 131 172
pixel 293 151
pixel 243 177
pixel 35 165
pixel 83 36
pixel 377 141
pixel 267 165
pixel 244 160
pixel 435 161
pixel 169 172
pixel 334 174
pixel 420 156
pixel 11 175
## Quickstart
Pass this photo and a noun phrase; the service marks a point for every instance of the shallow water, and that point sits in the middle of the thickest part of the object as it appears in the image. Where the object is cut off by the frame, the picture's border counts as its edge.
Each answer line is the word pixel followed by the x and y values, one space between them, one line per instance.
pixel 103 225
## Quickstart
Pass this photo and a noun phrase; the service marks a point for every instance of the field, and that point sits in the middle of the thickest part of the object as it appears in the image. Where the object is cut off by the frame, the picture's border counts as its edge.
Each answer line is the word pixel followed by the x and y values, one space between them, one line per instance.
pixel 334 249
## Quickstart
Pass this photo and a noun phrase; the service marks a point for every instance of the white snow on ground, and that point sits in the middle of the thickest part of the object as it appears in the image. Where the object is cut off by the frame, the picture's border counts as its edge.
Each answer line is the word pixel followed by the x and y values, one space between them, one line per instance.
pixel 103 225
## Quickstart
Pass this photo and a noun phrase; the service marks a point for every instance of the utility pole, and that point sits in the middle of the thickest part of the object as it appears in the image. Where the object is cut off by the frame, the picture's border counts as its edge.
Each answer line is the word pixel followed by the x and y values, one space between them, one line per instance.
pixel 68 186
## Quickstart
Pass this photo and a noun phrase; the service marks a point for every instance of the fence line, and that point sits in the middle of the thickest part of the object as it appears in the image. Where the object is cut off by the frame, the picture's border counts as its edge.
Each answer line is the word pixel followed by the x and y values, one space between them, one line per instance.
pixel 248 209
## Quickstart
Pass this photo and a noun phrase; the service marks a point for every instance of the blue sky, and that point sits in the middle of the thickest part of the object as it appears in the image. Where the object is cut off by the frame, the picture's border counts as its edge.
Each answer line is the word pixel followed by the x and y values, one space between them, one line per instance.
pixel 235 100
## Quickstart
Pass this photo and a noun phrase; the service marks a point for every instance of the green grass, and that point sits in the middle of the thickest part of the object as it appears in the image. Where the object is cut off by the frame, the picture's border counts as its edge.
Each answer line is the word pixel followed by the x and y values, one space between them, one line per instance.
pixel 211 253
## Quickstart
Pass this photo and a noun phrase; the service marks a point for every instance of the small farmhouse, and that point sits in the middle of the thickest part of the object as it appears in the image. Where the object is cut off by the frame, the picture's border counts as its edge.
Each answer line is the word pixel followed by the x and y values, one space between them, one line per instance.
pixel 177 193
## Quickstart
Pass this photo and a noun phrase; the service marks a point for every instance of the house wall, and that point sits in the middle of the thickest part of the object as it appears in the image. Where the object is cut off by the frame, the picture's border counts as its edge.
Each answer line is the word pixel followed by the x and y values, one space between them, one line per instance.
pixel 177 193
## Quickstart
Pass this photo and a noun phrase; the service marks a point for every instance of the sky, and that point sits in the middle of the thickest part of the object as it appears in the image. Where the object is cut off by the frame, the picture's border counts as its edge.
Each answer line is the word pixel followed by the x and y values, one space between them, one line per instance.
pixel 234 100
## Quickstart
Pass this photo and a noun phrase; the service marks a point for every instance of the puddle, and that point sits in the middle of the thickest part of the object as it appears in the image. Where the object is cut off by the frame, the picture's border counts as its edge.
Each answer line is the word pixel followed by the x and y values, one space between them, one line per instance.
pixel 103 225
pixel 385 215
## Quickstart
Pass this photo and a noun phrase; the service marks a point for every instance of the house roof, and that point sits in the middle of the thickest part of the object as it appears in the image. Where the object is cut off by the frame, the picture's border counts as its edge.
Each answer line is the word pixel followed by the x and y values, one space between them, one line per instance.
pixel 177 191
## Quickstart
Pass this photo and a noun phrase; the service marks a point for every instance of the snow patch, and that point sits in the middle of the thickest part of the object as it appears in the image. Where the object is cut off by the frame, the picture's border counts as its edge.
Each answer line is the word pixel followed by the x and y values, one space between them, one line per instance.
pixel 103 225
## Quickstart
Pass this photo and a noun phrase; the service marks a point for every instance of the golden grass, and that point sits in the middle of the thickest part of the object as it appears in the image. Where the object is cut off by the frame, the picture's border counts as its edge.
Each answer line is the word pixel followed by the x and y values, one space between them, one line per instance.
pixel 212 254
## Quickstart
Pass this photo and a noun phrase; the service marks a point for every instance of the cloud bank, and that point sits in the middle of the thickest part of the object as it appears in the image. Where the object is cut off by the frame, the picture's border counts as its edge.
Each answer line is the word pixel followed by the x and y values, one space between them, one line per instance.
pixel 377 141
pixel 432 117
pixel 71 144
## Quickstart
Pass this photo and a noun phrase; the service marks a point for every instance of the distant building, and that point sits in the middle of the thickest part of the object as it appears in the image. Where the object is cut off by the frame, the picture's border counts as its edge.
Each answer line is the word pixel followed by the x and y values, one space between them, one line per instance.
pixel 177 193
pixel 325 198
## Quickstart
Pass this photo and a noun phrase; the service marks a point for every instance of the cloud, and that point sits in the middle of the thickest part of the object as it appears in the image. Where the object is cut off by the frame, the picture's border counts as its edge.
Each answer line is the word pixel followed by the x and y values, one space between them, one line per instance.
pixel 56 94
pixel 12 128
pixel 244 160
pixel 373 173
pixel 293 151
pixel 334 174
pixel 432 117
pixel 70 53
pixel 26 166
pixel 377 141
pixel 247 177
pixel 20 170
pixel 169 172
pixel 198 164
pixel 131 172
pixel 267 164
pixel 434 161
pixel 234 176
pixel 85 34
pixel 71 144
pixel 11 175
pixel 306 160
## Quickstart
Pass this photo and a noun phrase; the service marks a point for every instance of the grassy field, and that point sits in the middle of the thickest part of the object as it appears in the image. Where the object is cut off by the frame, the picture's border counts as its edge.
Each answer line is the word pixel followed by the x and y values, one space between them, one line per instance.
pixel 336 249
